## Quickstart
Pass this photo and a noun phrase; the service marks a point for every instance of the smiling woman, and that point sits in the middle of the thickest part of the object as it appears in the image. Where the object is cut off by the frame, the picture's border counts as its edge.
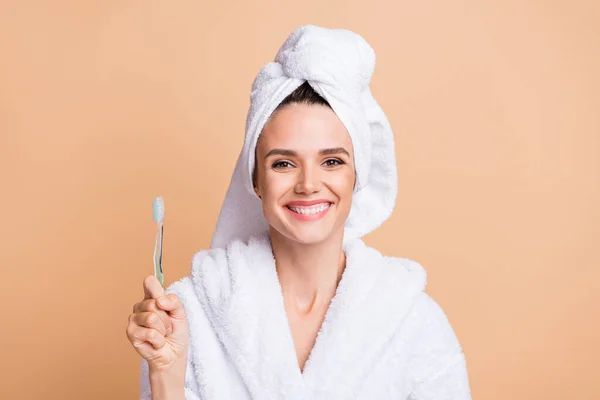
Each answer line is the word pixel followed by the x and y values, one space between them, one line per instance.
pixel 289 302
pixel 305 171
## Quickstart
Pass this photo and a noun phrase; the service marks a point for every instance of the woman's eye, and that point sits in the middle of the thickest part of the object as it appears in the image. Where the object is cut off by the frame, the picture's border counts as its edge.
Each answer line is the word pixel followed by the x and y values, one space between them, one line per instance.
pixel 332 162
pixel 282 164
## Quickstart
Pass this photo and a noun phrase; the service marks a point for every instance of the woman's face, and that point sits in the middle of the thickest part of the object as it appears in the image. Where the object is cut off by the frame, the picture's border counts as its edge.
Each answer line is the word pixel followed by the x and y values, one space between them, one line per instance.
pixel 305 172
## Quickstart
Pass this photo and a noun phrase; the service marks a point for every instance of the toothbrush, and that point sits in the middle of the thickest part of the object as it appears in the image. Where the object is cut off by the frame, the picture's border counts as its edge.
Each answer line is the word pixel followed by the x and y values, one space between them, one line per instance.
pixel 158 213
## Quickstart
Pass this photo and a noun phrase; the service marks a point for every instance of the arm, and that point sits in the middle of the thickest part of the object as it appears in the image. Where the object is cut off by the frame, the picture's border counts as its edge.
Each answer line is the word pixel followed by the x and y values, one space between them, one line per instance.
pixel 164 387
pixel 438 363
pixel 167 386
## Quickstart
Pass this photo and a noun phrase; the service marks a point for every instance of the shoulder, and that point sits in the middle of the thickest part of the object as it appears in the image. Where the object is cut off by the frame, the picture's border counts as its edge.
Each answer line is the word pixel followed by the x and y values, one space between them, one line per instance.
pixel 436 345
pixel 431 311
pixel 438 364
pixel 397 269
pixel 432 328
pixel 257 245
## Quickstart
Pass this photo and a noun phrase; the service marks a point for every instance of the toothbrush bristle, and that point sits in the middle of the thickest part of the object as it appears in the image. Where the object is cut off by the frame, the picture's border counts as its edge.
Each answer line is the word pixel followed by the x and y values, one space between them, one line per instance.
pixel 158 210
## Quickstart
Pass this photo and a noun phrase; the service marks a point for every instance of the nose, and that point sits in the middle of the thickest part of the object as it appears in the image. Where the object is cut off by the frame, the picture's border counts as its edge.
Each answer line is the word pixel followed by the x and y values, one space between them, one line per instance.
pixel 308 182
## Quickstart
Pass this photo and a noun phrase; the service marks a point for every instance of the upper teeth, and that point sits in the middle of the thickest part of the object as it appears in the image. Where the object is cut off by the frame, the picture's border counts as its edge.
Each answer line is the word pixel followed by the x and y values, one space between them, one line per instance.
pixel 310 210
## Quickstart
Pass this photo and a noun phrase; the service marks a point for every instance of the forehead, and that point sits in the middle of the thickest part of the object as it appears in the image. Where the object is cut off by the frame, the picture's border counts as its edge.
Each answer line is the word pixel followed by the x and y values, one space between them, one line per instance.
pixel 305 127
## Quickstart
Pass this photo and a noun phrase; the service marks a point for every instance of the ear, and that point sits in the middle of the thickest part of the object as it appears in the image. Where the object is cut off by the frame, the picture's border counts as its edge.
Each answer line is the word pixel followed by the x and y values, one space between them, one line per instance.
pixel 257 192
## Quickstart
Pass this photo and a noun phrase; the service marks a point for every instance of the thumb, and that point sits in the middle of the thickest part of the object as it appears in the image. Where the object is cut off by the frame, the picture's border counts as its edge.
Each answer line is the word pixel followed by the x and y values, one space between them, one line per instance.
pixel 172 304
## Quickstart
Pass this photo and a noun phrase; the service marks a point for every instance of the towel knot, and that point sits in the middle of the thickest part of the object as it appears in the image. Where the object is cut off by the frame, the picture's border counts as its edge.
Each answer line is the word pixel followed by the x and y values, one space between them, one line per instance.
pixel 335 57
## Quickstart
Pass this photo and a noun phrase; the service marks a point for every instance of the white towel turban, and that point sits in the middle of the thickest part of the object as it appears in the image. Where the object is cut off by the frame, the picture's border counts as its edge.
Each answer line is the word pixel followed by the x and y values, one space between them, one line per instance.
pixel 338 65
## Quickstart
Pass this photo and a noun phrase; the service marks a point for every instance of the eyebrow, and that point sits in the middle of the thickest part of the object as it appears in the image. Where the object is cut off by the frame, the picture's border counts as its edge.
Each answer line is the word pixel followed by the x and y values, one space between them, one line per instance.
pixel 323 152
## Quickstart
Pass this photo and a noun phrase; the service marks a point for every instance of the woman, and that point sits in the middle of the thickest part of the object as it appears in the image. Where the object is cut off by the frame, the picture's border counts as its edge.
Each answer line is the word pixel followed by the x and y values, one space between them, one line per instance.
pixel 289 303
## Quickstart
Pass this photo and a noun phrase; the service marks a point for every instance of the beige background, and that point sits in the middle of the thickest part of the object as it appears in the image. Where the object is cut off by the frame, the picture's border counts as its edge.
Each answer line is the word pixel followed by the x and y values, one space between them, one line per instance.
pixel 106 104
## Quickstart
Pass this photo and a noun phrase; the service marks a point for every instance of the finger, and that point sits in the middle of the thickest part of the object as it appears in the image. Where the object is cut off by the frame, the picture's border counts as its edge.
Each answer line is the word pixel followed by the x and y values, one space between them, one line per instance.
pixel 143 348
pixel 172 304
pixel 138 336
pixel 150 305
pixel 152 336
pixel 150 320
pixel 152 288
pixel 145 305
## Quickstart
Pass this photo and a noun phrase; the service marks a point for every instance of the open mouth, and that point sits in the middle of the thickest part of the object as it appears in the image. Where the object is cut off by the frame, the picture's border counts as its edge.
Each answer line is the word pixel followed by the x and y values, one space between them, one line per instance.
pixel 310 212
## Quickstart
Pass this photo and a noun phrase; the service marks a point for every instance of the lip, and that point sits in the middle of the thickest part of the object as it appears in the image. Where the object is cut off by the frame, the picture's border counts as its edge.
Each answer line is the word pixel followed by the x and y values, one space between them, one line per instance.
pixel 307 217
pixel 305 203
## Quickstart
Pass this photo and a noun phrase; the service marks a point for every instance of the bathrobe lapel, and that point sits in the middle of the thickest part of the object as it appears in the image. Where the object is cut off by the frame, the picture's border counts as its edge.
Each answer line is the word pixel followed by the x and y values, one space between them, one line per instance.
pixel 240 292
pixel 372 299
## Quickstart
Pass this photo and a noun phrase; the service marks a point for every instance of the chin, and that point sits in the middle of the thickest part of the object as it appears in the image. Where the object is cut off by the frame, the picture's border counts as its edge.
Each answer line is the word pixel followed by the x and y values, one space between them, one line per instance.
pixel 309 236
pixel 315 234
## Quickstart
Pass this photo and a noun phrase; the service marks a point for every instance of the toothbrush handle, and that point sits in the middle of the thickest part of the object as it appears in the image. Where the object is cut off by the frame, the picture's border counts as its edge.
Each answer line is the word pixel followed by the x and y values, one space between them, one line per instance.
pixel 158 271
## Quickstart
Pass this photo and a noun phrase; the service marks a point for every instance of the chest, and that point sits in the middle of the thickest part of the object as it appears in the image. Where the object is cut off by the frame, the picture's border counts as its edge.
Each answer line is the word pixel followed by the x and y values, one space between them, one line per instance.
pixel 218 377
pixel 353 357
pixel 304 328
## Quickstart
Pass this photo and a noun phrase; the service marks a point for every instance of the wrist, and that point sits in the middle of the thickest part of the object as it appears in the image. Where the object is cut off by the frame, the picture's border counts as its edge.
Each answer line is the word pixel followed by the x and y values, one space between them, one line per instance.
pixel 167 384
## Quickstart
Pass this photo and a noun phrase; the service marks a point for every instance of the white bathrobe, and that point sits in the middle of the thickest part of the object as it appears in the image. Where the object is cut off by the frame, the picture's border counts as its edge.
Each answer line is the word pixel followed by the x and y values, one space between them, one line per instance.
pixel 383 337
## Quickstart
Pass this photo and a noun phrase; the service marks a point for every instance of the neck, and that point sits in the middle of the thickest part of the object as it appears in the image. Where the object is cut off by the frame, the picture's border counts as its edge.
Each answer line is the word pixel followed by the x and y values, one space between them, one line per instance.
pixel 309 273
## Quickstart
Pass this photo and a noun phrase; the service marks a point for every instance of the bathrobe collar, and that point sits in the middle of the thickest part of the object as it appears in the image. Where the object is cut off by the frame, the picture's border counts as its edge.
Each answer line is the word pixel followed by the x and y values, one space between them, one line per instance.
pixel 240 292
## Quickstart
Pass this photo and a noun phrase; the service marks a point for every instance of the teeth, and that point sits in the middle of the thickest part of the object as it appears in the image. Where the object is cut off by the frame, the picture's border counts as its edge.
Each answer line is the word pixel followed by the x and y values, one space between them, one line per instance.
pixel 310 210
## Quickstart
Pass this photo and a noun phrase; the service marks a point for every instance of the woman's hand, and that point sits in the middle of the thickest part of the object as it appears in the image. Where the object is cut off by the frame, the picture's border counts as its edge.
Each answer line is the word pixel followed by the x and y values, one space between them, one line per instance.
pixel 158 330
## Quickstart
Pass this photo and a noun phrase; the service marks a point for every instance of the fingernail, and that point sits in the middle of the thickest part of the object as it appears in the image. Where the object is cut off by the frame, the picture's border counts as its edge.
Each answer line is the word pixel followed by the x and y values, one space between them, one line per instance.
pixel 163 300
pixel 169 331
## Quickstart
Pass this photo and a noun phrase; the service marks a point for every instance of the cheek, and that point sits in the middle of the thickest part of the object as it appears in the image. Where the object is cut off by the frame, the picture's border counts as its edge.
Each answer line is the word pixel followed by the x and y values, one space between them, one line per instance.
pixel 276 185
pixel 343 184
